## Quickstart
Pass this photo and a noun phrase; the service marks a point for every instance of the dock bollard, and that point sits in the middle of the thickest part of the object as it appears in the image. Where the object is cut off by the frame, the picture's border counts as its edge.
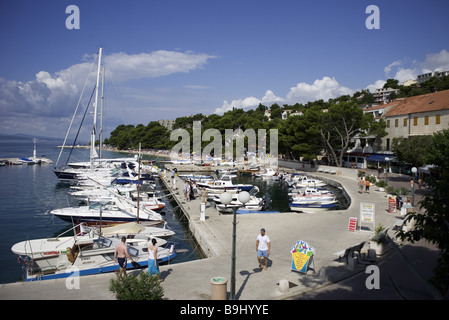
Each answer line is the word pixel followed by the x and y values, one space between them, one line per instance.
pixel 218 288
pixel 202 211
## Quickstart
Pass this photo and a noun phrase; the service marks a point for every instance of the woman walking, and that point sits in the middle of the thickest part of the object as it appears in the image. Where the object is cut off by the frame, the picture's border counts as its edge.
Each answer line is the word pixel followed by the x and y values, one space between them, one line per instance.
pixel 153 267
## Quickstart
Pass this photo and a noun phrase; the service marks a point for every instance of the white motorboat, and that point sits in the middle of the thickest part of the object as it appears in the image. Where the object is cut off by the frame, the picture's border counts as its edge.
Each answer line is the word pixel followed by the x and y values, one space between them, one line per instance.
pixel 226 184
pixel 311 194
pixel 83 255
pixel 307 182
pixel 291 179
pixel 254 204
pixel 313 206
pixel 39 248
pixel 117 210
pixel 268 174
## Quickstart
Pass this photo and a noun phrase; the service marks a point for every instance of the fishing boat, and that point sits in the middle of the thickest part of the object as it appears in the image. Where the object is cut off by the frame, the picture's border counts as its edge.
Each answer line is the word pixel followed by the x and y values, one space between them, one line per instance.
pixel 83 255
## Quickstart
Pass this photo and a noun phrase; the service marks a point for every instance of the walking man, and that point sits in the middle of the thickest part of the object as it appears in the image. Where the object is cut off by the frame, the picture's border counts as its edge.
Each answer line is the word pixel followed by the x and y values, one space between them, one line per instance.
pixel 120 255
pixel 361 185
pixel 263 246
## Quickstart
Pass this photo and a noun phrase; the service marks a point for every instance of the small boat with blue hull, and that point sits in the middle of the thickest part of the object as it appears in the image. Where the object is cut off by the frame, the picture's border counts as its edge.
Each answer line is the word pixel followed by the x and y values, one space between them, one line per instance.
pixel 88 255
pixel 313 206
pixel 246 211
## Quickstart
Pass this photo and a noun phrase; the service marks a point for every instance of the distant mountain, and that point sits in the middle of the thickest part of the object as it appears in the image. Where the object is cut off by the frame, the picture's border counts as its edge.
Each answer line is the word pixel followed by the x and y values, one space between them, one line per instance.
pixel 26 137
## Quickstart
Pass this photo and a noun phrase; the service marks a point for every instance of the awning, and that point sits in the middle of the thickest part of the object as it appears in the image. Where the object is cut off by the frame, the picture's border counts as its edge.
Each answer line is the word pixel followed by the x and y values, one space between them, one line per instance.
pixel 380 157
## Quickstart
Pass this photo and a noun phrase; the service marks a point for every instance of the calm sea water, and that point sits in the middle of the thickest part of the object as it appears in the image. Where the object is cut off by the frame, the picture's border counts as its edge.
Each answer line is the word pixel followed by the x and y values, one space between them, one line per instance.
pixel 27 192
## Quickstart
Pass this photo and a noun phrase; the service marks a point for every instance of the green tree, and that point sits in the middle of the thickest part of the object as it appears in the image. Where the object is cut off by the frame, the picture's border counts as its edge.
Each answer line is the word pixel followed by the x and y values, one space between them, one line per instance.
pixel 433 225
pixel 414 151
pixel 339 125
pixel 391 83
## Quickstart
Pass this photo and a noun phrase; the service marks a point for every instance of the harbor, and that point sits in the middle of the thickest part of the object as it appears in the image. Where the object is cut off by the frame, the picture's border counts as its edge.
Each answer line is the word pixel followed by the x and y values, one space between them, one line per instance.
pixel 326 231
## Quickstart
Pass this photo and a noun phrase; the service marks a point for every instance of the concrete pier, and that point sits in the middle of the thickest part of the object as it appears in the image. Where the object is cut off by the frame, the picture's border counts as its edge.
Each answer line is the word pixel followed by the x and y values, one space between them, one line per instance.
pixel 326 231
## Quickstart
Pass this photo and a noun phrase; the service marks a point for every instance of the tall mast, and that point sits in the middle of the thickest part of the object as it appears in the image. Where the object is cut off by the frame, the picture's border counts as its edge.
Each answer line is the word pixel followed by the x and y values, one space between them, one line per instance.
pixel 94 130
pixel 100 136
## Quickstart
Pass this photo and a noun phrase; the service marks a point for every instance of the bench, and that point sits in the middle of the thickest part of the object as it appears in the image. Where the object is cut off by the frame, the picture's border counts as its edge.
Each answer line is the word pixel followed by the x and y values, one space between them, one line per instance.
pixel 350 250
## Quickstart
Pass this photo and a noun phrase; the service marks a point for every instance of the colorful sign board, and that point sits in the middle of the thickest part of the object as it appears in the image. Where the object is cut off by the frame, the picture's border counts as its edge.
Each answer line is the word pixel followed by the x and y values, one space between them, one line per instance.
pixel 392 204
pixel 302 254
pixel 352 226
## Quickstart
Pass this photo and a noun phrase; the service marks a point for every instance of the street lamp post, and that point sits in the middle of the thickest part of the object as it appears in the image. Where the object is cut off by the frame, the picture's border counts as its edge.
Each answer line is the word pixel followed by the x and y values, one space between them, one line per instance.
pixel 414 170
pixel 226 199
pixel 388 169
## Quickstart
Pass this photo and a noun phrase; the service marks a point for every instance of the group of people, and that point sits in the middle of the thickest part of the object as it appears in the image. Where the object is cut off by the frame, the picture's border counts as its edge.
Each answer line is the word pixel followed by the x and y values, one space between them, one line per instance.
pixel 190 191
pixel 364 184
pixel 121 257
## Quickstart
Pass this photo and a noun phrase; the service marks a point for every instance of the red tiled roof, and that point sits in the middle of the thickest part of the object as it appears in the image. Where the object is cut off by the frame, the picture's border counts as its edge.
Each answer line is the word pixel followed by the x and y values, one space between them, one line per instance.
pixel 423 103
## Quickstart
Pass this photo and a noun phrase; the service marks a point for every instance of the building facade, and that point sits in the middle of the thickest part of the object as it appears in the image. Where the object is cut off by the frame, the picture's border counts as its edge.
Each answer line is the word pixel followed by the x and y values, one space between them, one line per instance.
pixel 417 116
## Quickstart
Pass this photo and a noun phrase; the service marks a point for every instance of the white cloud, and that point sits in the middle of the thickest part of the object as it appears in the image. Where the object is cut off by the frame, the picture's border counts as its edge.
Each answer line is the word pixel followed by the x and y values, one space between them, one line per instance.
pixel 124 66
pixel 56 95
pixel 325 89
pixel 404 70
pixel 388 68
pixel 376 85
pixel 436 62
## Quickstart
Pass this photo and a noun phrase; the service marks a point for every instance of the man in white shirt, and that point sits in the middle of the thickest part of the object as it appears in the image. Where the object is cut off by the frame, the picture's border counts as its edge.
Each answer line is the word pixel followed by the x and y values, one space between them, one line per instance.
pixel 263 248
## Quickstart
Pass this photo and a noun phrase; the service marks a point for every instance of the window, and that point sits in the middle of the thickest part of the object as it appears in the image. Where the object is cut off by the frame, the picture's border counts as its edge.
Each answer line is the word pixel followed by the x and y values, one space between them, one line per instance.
pixel 396 123
pixel 437 119
pixel 415 121
pixel 388 123
pixel 405 122
pixel 426 120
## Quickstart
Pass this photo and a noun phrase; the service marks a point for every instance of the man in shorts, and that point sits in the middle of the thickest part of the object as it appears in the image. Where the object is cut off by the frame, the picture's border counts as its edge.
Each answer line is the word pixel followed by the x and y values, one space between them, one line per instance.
pixel 263 246
pixel 120 255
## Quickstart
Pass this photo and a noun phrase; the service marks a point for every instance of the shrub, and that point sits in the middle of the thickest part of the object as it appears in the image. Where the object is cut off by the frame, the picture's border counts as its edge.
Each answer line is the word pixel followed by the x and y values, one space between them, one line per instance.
pixel 143 287
pixel 381 183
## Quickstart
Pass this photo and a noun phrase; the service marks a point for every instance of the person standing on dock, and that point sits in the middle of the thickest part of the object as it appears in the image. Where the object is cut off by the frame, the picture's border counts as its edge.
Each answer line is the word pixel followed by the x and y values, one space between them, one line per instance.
pixel 120 255
pixel 203 195
pixel 153 266
pixel 263 246
pixel 185 189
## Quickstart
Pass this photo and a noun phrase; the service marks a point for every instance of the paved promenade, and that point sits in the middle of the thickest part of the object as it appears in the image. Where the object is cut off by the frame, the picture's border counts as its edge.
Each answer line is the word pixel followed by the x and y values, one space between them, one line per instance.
pixel 327 232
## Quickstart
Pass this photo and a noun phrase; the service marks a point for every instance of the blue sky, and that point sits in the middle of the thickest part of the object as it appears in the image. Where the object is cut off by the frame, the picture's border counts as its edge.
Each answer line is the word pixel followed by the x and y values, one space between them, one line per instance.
pixel 171 58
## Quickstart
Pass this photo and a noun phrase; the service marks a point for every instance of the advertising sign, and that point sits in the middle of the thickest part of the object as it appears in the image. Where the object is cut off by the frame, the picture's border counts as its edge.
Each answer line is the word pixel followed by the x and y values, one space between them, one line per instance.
pixel 352 226
pixel 302 254
pixel 367 213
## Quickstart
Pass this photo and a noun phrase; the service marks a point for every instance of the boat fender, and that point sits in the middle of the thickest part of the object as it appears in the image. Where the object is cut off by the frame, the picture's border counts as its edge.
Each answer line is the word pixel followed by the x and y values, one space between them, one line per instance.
pixel 70 255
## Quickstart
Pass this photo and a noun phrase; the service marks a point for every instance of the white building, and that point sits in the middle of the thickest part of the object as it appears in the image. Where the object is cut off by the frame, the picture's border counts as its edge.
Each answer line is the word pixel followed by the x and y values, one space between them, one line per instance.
pixel 382 95
pixel 426 76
